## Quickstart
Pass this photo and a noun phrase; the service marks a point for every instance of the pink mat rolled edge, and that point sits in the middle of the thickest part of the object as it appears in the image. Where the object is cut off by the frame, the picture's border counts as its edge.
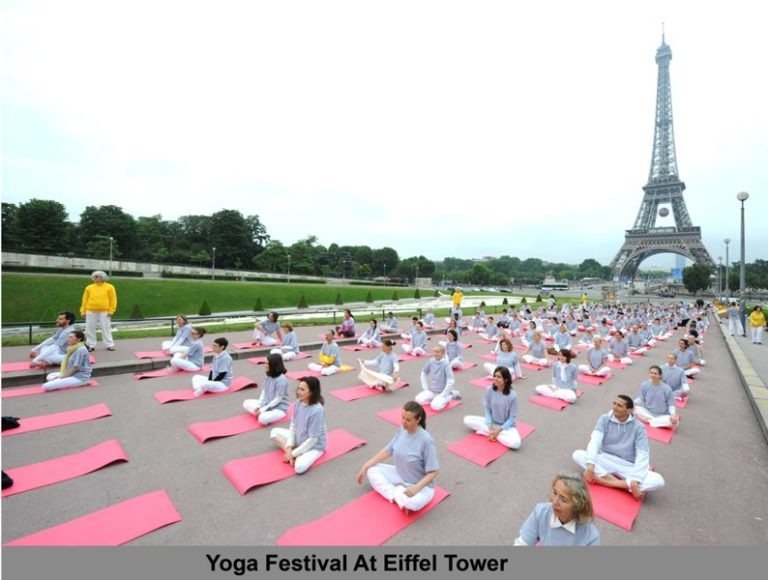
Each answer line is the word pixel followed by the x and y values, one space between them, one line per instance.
pixel 237 425
pixel 39 422
pixel 238 384
pixel 262 360
pixel 112 526
pixel 616 506
pixel 64 468
pixel 369 520
pixel 480 451
pixel 38 390
pixel 249 472
pixel 362 392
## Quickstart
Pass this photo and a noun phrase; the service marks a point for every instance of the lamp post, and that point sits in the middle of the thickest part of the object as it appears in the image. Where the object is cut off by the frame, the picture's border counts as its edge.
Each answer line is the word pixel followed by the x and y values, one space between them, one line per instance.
pixel 289 267
pixel 111 239
pixel 720 276
pixel 213 263
pixel 385 273
pixel 742 196
pixel 727 266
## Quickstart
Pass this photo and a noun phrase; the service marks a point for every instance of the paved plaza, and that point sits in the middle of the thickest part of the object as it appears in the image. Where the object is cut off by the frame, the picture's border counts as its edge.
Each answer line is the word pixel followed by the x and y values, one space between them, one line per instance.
pixel 716 467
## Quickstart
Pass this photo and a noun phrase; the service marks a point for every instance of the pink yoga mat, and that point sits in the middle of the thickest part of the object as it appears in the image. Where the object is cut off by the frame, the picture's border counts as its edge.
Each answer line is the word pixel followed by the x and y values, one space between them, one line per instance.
pixel 245 345
pixel 248 472
pixel 532 367
pixel 12 367
pixel 480 451
pixel 464 366
pixel 63 468
pixel 616 365
pixel 403 357
pixel 39 422
pixel 358 347
pixel 552 403
pixel 616 506
pixel 660 434
pixel 162 353
pixel 482 382
pixel 296 375
pixel 112 526
pixel 362 392
pixel 370 520
pixel 488 356
pixel 38 390
pixel 393 415
pixel 169 372
pixel 238 384
pixel 592 380
pixel 23 365
pixel 262 360
pixel 682 403
pixel 236 425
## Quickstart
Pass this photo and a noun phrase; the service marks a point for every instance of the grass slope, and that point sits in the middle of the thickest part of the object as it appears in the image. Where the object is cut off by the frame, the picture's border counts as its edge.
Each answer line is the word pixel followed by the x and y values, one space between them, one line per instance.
pixel 38 297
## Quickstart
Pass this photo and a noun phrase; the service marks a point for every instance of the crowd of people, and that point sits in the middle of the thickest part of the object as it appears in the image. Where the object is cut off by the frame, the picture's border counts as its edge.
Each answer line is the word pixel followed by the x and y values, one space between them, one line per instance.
pixel 617 454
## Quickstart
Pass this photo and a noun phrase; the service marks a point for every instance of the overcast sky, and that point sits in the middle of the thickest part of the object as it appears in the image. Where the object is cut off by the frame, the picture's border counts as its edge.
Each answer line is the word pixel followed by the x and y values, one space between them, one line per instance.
pixel 462 129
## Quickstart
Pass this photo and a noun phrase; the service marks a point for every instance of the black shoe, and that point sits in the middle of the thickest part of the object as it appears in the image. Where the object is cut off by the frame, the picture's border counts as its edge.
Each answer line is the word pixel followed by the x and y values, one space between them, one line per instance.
pixel 90 348
pixel 110 348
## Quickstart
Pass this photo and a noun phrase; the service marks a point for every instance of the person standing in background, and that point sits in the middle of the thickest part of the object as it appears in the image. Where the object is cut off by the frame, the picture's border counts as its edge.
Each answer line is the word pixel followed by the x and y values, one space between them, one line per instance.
pixel 98 305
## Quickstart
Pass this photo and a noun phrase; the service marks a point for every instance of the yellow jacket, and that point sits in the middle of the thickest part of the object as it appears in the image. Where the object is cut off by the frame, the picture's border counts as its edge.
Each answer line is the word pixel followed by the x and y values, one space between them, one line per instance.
pixel 99 298
pixel 757 319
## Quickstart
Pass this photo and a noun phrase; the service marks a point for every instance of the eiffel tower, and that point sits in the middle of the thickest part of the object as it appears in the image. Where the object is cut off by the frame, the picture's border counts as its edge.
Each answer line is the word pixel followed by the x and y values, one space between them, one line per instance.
pixel 663 192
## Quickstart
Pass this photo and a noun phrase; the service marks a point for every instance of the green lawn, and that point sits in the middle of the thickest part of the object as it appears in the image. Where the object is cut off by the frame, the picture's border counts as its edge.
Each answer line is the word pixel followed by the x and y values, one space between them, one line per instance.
pixel 28 297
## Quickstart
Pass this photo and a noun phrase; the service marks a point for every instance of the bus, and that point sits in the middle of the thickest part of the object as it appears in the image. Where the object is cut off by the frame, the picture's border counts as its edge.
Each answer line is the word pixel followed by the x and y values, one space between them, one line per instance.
pixel 552 286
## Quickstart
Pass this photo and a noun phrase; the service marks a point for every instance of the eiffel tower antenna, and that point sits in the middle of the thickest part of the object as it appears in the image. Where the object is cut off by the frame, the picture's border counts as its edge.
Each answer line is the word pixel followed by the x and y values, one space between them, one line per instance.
pixel 645 239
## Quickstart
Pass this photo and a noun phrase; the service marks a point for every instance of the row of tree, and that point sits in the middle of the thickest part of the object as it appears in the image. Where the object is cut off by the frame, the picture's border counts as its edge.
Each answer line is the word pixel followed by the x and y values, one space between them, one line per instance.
pixel 700 277
pixel 242 242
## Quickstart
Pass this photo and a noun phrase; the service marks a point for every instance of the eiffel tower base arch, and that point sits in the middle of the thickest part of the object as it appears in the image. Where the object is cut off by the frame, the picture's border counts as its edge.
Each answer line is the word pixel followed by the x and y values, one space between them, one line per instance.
pixel 639 245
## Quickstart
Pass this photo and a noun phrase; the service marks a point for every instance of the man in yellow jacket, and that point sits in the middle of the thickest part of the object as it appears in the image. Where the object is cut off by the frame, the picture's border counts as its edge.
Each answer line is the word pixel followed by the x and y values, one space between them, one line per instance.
pixel 99 304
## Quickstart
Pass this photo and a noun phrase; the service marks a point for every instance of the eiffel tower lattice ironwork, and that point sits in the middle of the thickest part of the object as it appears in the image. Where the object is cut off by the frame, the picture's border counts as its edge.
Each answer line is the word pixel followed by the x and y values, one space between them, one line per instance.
pixel 663 189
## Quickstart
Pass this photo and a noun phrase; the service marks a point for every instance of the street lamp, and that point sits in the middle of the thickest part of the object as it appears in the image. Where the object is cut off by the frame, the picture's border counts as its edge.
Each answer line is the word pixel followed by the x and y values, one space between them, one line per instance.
pixel 213 263
pixel 727 266
pixel 289 267
pixel 111 239
pixel 720 276
pixel 742 196
pixel 385 273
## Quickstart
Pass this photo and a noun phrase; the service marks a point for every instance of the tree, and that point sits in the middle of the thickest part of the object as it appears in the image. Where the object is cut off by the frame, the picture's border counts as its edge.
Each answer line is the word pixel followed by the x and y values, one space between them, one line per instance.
pixel 384 261
pixel 98 247
pixel 590 268
pixel 257 232
pixel 109 220
pixel 696 277
pixel 481 274
pixel 155 237
pixel 10 229
pixel 41 226
pixel 230 233
pixel 272 258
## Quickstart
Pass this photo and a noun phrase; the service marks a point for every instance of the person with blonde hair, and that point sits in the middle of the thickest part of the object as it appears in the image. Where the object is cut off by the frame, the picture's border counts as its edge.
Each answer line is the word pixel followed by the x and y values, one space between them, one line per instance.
pixel 289 346
pixel 565 520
